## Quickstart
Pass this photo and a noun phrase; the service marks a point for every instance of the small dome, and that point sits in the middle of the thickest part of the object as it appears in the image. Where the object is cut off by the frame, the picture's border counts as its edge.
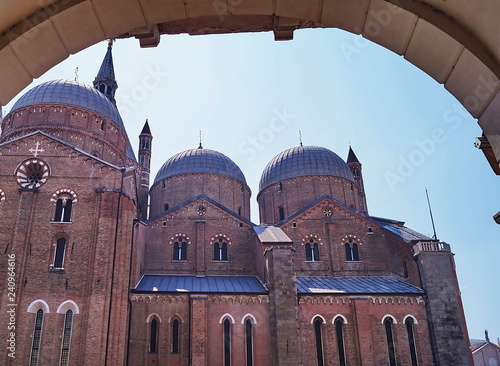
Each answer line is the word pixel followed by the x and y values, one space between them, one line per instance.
pixel 70 93
pixel 304 160
pixel 200 161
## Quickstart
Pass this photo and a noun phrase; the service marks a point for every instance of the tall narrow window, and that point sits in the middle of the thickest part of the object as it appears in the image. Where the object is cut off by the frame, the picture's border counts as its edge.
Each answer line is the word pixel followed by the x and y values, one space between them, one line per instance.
pixel 351 251
pixel 411 340
pixel 176 336
pixel 319 341
pixel 153 336
pixel 281 213
pixel 340 341
pixel 37 335
pixel 68 321
pixel 180 249
pixel 390 341
pixel 59 255
pixel 249 342
pixel 312 251
pixel 63 210
pixel 227 342
pixel 220 250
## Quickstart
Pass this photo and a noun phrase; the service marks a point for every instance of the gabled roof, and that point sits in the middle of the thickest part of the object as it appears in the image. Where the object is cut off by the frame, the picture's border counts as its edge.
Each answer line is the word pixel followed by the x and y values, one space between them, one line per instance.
pixel 394 227
pixel 355 285
pixel 206 284
pixel 477 345
pixel 62 142
pixel 271 234
pixel 191 200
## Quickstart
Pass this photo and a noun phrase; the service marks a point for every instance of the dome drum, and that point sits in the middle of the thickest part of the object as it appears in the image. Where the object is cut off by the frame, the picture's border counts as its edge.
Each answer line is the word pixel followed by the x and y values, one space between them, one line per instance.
pixel 200 172
pixel 299 176
pixel 81 115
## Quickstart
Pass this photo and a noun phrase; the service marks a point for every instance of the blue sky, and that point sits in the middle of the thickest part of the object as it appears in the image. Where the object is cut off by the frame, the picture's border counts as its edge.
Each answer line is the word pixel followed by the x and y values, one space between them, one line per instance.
pixel 250 96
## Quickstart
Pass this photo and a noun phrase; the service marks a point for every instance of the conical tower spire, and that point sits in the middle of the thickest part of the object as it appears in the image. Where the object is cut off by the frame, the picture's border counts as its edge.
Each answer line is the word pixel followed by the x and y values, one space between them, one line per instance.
pixel 356 168
pixel 105 80
pixel 351 157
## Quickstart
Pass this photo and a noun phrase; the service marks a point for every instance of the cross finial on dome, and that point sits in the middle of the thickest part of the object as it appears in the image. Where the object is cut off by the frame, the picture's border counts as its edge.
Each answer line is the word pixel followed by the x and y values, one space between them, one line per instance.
pixel 300 137
pixel 200 147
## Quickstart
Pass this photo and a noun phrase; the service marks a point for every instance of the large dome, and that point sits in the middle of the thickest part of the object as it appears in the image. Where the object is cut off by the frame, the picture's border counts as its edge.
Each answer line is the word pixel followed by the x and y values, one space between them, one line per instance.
pixel 200 161
pixel 304 160
pixel 70 93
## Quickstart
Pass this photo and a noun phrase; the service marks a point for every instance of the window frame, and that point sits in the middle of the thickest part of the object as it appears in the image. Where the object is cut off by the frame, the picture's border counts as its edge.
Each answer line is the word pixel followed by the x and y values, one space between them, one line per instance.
pixel 176 336
pixel 36 338
pixel 66 338
pixel 59 254
pixel 391 344
pixel 412 344
pixel 312 251
pixel 249 341
pixel 153 330
pixel 220 250
pixel 226 342
pixel 318 340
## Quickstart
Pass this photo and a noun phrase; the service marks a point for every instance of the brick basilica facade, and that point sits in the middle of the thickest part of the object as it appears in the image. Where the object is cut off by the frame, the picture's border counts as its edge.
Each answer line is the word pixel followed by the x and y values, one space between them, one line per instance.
pixel 103 267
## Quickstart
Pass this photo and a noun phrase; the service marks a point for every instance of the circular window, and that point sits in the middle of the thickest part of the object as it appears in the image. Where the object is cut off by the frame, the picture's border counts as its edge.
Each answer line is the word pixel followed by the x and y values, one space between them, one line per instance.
pixel 201 210
pixel 327 212
pixel 32 173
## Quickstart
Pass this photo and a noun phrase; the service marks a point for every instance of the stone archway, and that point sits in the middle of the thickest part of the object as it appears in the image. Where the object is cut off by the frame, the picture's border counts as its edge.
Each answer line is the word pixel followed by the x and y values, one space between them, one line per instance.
pixel 455 42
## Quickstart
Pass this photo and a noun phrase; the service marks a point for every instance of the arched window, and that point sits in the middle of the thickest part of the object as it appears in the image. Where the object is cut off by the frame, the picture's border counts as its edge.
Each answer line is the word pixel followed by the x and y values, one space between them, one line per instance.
pixel 281 213
pixel 180 249
pixel 227 342
pixel 411 340
pixel 59 254
pixel 176 333
pixel 68 322
pixel 220 250
pixel 351 251
pixel 63 210
pixel 319 341
pixel 153 336
pixel 249 342
pixel 391 350
pixel 339 331
pixel 166 207
pixel 37 336
pixel 312 251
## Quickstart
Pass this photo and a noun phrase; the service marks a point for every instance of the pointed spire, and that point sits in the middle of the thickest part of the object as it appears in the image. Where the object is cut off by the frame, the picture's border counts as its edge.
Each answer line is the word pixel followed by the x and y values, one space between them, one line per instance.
pixel 105 80
pixel 351 157
pixel 200 147
pixel 300 137
pixel 145 129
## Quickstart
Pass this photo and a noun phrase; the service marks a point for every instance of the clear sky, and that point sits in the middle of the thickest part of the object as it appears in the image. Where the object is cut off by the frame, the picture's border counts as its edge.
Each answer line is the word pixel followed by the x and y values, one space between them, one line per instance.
pixel 250 96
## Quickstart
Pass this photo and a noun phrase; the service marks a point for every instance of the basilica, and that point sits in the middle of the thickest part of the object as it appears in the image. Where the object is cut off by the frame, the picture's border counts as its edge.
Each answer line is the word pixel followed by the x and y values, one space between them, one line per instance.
pixel 103 265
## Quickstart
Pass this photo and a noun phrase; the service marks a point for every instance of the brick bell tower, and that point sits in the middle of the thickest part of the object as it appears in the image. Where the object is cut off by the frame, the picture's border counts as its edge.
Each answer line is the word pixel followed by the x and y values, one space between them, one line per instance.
pixel 355 165
pixel 447 327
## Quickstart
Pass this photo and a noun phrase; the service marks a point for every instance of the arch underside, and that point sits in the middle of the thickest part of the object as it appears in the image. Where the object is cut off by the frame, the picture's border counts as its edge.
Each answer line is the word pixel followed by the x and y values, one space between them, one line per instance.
pixel 455 42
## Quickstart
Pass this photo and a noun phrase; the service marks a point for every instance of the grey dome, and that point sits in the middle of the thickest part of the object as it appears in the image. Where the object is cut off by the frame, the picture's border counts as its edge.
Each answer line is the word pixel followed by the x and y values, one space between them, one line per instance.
pixel 200 161
pixel 304 160
pixel 70 93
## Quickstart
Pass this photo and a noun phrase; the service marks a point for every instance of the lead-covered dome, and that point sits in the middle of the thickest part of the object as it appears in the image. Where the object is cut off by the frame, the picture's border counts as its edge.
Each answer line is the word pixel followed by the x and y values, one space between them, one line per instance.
pixel 200 161
pixel 70 93
pixel 304 160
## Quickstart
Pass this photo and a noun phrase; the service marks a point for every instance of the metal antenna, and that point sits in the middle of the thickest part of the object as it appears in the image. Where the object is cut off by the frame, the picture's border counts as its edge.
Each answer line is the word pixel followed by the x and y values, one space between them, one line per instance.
pixel 430 211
